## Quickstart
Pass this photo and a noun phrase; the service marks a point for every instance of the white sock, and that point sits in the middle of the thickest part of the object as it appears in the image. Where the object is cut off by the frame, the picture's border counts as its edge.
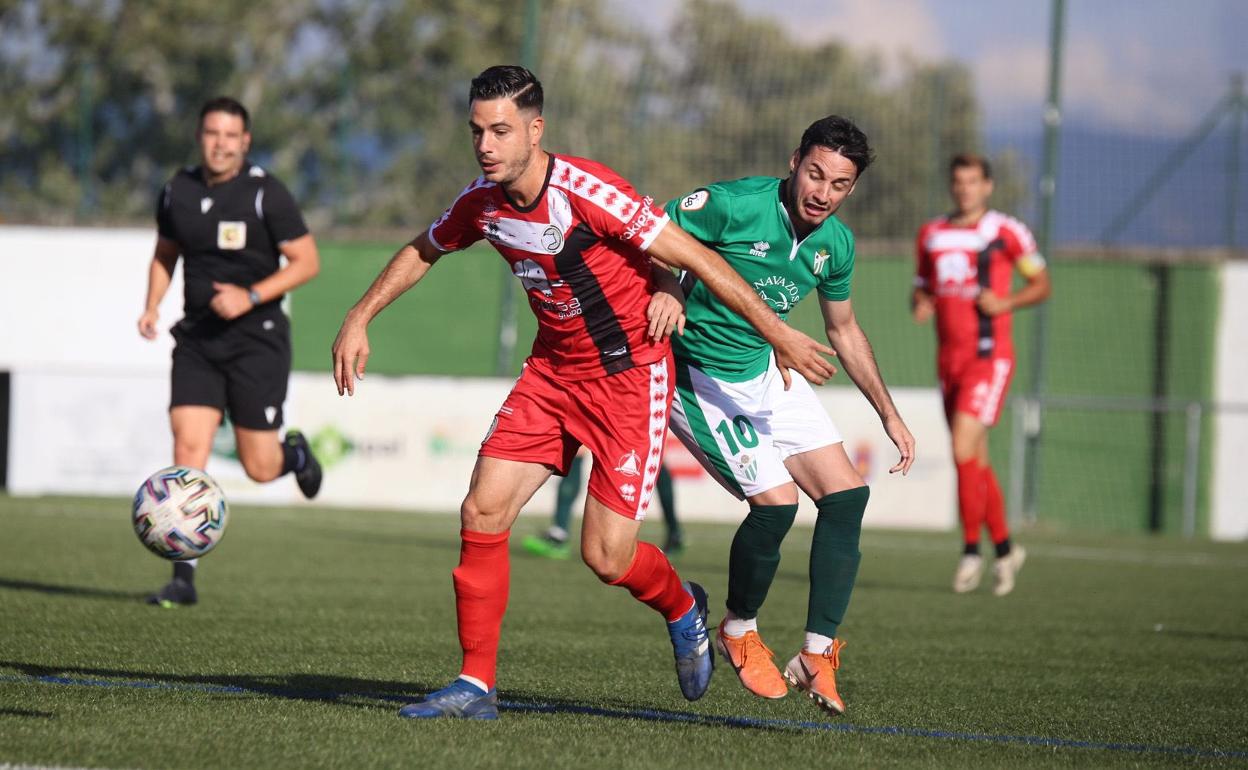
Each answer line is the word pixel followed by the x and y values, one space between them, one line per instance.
pixel 557 533
pixel 191 563
pixel 472 680
pixel 816 644
pixel 735 626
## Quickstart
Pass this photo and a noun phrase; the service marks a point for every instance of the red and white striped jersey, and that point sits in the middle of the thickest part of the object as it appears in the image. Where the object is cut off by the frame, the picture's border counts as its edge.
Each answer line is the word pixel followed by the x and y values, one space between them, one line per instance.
pixel 579 250
pixel 954 263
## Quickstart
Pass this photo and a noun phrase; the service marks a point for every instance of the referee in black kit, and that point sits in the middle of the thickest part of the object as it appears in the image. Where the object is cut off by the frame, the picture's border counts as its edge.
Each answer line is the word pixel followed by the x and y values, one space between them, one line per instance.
pixel 231 222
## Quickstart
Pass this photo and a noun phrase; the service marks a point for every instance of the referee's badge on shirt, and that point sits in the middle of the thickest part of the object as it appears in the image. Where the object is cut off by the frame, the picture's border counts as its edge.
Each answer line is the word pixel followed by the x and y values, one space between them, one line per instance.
pixel 231 236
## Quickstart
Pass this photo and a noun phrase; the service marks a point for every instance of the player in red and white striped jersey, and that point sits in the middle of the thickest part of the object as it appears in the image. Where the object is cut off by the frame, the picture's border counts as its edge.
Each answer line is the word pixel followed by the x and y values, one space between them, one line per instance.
pixel 580 239
pixel 964 276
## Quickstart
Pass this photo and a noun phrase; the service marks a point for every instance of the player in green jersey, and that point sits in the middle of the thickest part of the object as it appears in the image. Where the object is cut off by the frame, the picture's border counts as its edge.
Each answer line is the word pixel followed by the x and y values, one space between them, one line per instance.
pixel 760 439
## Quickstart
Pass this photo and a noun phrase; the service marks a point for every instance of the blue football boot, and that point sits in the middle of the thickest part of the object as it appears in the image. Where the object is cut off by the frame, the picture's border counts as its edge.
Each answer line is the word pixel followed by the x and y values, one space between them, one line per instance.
pixel 460 699
pixel 691 643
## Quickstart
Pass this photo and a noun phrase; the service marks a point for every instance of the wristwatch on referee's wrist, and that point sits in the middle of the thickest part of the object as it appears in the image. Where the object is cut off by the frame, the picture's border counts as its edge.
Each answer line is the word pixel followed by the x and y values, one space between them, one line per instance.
pixel 254 296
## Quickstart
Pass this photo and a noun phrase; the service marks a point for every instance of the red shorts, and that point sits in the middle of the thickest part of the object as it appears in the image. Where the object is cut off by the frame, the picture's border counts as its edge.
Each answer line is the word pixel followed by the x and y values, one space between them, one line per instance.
pixel 620 418
pixel 977 387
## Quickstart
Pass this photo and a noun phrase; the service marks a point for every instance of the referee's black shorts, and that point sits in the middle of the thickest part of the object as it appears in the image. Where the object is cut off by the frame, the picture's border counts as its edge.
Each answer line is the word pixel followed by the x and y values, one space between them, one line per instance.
pixel 241 367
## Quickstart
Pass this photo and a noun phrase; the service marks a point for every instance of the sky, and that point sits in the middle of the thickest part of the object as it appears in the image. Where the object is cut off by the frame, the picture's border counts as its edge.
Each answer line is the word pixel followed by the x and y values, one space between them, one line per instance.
pixel 1149 67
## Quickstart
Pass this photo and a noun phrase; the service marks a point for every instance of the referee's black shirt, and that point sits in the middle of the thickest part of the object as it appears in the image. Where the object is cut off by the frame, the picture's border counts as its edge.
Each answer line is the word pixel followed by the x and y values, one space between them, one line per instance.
pixel 228 232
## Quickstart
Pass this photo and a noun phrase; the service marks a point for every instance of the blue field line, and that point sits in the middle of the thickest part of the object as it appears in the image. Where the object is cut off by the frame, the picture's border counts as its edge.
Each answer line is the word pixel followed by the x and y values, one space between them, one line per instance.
pixel 653 715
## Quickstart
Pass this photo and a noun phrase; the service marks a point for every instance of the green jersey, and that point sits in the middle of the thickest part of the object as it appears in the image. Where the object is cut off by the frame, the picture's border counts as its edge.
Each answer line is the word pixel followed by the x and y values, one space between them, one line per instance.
pixel 746 222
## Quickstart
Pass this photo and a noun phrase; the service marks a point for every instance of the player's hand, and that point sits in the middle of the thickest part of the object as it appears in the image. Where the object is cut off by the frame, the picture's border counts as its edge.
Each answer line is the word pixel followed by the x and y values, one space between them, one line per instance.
pixel 799 352
pixel 230 301
pixel 990 304
pixel 350 355
pixel 147 324
pixel 922 310
pixel 899 434
pixel 666 313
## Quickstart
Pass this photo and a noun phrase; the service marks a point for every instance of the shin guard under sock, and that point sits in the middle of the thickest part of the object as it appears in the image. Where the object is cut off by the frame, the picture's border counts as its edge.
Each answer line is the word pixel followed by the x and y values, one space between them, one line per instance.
pixel 834 558
pixel 482 581
pixel 755 556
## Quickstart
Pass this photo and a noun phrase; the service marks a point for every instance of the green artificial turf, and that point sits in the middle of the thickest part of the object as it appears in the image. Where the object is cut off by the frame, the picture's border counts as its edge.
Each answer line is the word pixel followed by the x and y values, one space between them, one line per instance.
pixel 314 626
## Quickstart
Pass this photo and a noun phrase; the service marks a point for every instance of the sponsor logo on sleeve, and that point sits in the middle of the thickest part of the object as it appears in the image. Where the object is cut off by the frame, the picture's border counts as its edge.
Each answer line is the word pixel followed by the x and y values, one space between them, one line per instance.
pixel 695 200
pixel 644 220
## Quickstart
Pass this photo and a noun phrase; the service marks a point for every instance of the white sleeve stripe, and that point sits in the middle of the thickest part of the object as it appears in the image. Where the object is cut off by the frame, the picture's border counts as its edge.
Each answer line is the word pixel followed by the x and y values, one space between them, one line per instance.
pixel 658 226
pixel 260 203
pixel 477 183
pixel 434 241
pixel 604 195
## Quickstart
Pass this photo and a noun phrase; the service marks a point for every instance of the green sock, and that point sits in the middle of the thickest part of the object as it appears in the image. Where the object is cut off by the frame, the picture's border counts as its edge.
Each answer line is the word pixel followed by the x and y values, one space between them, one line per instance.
pixel 565 494
pixel 755 555
pixel 667 501
pixel 834 558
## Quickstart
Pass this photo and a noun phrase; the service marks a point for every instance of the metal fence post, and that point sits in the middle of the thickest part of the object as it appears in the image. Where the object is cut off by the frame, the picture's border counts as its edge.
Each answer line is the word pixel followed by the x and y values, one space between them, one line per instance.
pixel 1191 466
pixel 1048 191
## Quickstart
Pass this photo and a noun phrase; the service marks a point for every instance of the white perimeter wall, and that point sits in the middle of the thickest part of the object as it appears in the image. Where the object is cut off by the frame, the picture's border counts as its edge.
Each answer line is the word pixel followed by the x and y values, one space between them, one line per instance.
pixel 404 442
pixel 89 404
pixel 1229 515
pixel 72 297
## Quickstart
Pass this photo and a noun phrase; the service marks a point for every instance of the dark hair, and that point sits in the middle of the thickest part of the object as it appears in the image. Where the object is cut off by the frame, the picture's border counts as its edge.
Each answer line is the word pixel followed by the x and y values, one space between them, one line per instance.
pixel 970 160
pixel 508 81
pixel 838 135
pixel 225 104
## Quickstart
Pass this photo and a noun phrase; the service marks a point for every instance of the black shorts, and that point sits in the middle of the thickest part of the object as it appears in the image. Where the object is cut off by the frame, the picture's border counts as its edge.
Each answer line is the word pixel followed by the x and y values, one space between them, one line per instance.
pixel 240 367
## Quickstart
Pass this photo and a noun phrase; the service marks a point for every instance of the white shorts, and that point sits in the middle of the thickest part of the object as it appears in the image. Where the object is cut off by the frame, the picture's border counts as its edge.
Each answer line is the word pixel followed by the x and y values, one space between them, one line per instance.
pixel 742 432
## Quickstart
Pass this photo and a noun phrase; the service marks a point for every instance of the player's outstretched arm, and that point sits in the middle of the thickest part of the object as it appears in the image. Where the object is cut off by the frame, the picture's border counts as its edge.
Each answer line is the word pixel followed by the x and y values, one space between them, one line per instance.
pixel 405 268
pixel 858 360
pixel 794 350
pixel 159 276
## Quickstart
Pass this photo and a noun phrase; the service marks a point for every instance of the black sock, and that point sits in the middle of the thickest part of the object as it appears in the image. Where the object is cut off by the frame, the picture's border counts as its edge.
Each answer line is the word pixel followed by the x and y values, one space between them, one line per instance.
pixel 184 571
pixel 1003 548
pixel 293 458
pixel 971 549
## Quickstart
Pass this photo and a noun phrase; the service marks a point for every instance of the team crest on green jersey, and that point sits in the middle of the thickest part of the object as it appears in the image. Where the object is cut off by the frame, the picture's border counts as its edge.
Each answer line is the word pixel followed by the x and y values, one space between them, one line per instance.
pixel 821 259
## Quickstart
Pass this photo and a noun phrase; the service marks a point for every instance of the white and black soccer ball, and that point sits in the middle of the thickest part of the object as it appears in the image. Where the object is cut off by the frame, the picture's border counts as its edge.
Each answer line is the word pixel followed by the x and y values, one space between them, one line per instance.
pixel 180 513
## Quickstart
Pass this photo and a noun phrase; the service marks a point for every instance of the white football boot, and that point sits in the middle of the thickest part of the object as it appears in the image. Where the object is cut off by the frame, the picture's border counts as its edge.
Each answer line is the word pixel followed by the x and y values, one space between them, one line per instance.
pixel 1006 569
pixel 970 570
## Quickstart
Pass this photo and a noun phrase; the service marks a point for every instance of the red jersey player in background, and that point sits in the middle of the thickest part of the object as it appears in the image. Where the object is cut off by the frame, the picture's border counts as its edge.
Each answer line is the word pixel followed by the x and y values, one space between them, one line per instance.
pixel 966 263
pixel 580 240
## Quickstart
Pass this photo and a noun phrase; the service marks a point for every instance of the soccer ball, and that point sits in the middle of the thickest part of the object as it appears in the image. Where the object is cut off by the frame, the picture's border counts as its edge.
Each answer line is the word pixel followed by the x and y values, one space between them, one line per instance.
pixel 180 513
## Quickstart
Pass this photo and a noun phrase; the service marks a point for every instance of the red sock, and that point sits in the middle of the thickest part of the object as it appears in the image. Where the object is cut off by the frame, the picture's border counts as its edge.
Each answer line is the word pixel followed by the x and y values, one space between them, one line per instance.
pixel 481 581
pixel 971 500
pixel 994 507
pixel 653 581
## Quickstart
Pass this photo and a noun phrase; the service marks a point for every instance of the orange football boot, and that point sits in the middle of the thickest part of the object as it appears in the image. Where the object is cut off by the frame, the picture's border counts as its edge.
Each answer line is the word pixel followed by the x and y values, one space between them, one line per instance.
pixel 815 674
pixel 752 661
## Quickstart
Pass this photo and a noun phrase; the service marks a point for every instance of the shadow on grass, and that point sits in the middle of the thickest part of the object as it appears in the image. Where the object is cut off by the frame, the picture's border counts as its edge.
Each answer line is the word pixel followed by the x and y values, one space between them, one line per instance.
pixel 1215 636
pixel 368 694
pixel 27 714
pixel 61 590
pixel 400 540
pixel 924 587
